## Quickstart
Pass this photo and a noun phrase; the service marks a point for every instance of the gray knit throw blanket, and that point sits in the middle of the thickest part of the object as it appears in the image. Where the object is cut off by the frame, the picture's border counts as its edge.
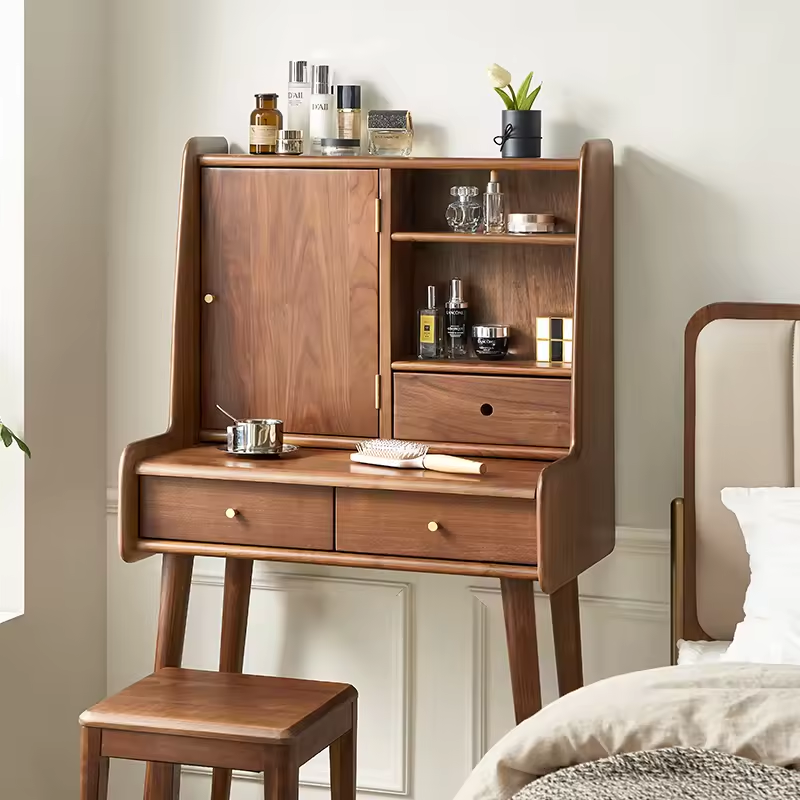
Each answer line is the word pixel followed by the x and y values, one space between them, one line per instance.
pixel 676 773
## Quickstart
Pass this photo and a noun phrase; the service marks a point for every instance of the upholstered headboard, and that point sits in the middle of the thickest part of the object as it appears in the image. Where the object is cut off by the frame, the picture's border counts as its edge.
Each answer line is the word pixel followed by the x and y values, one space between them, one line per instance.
pixel 741 428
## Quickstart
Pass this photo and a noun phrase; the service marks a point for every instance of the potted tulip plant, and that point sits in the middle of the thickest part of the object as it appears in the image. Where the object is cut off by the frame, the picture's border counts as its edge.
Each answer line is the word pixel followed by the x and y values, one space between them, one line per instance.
pixel 522 126
pixel 8 437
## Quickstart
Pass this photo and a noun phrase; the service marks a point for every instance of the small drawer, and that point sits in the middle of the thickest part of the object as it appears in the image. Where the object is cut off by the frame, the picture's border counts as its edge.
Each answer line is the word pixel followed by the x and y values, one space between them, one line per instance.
pixel 234 512
pixel 482 409
pixel 422 525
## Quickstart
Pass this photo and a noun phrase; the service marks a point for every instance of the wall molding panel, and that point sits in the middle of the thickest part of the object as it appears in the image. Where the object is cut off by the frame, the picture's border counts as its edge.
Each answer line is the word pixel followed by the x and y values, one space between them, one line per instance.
pixel 383 776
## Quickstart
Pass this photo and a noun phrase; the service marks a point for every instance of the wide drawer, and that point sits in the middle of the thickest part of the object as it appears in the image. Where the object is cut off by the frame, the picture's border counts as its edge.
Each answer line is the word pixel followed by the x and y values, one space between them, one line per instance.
pixel 457 527
pixel 482 409
pixel 233 512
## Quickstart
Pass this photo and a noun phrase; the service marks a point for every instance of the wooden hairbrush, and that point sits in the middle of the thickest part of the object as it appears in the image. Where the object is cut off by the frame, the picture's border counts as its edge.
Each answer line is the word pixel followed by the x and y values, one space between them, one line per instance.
pixel 412 455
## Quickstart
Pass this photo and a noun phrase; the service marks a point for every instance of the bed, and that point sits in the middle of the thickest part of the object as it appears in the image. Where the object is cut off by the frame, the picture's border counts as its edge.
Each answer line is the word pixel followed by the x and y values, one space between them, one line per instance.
pixel 705 728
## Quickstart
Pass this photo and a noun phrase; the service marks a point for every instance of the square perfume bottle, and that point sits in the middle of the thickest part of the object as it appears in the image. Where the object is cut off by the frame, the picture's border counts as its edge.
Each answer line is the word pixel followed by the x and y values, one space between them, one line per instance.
pixel 554 339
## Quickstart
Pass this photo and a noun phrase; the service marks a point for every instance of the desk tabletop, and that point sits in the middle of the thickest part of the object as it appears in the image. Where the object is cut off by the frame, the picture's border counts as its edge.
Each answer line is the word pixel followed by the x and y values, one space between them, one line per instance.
pixel 313 467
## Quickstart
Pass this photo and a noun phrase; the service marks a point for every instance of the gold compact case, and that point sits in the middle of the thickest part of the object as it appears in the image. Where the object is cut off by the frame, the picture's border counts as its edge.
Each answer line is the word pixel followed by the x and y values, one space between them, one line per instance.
pixel 531 223
pixel 290 143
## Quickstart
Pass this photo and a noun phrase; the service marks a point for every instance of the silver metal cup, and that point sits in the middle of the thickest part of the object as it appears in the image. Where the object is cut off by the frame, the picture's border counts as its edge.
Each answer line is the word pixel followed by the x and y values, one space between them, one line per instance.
pixel 257 436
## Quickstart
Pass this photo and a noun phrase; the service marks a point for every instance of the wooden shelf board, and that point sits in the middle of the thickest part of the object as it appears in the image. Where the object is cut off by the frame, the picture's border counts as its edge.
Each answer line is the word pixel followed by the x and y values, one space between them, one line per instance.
pixel 504 477
pixel 474 366
pixel 560 239
pixel 376 162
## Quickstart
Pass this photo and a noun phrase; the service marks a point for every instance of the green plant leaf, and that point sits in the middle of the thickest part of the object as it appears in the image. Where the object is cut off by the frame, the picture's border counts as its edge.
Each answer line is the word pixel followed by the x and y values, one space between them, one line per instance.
pixel 506 99
pixel 6 435
pixel 522 92
pixel 22 446
pixel 528 101
pixel 514 98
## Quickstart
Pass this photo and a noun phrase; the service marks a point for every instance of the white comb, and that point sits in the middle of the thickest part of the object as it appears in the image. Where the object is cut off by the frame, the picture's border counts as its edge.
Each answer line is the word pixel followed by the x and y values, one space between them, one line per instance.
pixel 412 455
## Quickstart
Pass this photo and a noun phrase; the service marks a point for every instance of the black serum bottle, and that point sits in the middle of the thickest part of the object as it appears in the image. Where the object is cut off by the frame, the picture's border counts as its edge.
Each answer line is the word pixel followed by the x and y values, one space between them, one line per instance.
pixel 455 321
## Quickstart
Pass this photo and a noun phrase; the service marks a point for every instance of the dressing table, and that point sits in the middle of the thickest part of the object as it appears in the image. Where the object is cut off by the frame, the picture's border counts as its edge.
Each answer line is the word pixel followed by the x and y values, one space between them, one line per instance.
pixel 297 284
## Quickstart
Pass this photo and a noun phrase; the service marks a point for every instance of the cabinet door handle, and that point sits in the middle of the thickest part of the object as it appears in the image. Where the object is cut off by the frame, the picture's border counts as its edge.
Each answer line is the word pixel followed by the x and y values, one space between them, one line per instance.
pixel 433 526
pixel 231 513
pixel 209 298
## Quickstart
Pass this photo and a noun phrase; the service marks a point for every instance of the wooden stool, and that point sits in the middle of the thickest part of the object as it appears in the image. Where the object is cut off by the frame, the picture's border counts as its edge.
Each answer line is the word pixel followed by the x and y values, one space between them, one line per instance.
pixel 230 721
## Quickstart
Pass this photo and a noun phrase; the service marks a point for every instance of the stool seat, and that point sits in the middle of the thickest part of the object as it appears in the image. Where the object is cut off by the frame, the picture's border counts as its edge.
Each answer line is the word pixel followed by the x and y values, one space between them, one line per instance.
pixel 244 708
pixel 225 721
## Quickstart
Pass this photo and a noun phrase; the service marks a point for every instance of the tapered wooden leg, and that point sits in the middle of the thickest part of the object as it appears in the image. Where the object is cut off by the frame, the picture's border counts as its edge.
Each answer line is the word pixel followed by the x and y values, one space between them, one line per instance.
pixel 565 611
pixel 523 651
pixel 343 762
pixel 282 782
pixel 94 768
pixel 235 607
pixel 162 781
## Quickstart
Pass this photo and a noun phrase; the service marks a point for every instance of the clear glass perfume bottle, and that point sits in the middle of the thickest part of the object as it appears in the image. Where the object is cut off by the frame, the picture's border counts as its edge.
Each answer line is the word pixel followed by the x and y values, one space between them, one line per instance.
pixel 464 214
pixel 494 212
pixel 430 328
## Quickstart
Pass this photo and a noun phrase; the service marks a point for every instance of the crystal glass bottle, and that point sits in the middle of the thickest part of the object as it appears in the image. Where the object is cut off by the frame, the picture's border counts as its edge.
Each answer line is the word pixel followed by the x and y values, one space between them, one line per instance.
pixel 464 214
pixel 494 212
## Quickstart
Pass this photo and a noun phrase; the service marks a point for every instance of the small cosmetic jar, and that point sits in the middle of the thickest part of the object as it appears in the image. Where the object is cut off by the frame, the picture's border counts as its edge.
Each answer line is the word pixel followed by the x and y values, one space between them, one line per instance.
pixel 341 147
pixel 531 223
pixel 490 341
pixel 290 143
pixel 391 133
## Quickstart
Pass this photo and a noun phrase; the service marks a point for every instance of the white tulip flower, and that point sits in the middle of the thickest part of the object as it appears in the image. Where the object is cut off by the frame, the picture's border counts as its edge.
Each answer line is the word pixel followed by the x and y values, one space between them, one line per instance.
pixel 498 77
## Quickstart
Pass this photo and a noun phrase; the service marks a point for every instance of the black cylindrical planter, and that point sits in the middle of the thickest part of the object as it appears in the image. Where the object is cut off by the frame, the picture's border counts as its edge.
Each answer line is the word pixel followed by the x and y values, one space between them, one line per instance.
pixel 523 139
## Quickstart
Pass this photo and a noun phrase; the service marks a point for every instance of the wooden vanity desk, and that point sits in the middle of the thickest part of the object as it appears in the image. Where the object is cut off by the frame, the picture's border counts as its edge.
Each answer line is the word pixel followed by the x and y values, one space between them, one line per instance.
pixel 297 285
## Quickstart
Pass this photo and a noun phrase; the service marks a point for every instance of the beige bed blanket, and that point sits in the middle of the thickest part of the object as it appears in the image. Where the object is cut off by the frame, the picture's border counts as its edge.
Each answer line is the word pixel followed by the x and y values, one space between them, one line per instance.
pixel 749 710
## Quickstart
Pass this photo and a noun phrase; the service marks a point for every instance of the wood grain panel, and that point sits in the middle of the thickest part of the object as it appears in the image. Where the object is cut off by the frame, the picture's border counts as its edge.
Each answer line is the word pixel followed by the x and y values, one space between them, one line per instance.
pixel 504 477
pixel 259 709
pixel 194 510
pixel 469 528
pixel 184 407
pixel 503 285
pixel 575 535
pixel 291 259
pixel 482 409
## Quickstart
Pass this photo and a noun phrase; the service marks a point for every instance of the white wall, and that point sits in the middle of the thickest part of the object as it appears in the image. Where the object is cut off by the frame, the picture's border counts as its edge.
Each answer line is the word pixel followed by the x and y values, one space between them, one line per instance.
pixel 697 98
pixel 52 659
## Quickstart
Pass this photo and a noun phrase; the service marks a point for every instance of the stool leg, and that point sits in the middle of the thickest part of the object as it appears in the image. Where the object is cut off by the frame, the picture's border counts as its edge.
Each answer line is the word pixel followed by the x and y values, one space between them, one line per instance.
pixel 94 768
pixel 565 610
pixel 523 650
pixel 235 607
pixel 162 781
pixel 282 782
pixel 343 762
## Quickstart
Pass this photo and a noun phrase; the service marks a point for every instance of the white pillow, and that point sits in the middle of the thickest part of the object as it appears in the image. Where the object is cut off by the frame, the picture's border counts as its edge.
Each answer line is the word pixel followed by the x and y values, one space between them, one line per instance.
pixel 770 521
pixel 690 652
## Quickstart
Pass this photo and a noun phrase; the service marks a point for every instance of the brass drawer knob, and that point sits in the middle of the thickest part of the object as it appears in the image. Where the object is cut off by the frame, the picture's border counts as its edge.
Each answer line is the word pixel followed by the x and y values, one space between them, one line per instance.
pixel 433 526
pixel 231 513
pixel 209 298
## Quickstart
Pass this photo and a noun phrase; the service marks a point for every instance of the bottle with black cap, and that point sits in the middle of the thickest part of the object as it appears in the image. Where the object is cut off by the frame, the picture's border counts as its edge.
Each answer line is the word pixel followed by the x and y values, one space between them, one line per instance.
pixel 455 315
pixel 348 111
pixel 299 91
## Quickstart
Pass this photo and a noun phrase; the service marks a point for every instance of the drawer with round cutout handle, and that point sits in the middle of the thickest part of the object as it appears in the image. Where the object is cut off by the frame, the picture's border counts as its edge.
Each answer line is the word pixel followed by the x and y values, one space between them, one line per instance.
pixel 482 409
